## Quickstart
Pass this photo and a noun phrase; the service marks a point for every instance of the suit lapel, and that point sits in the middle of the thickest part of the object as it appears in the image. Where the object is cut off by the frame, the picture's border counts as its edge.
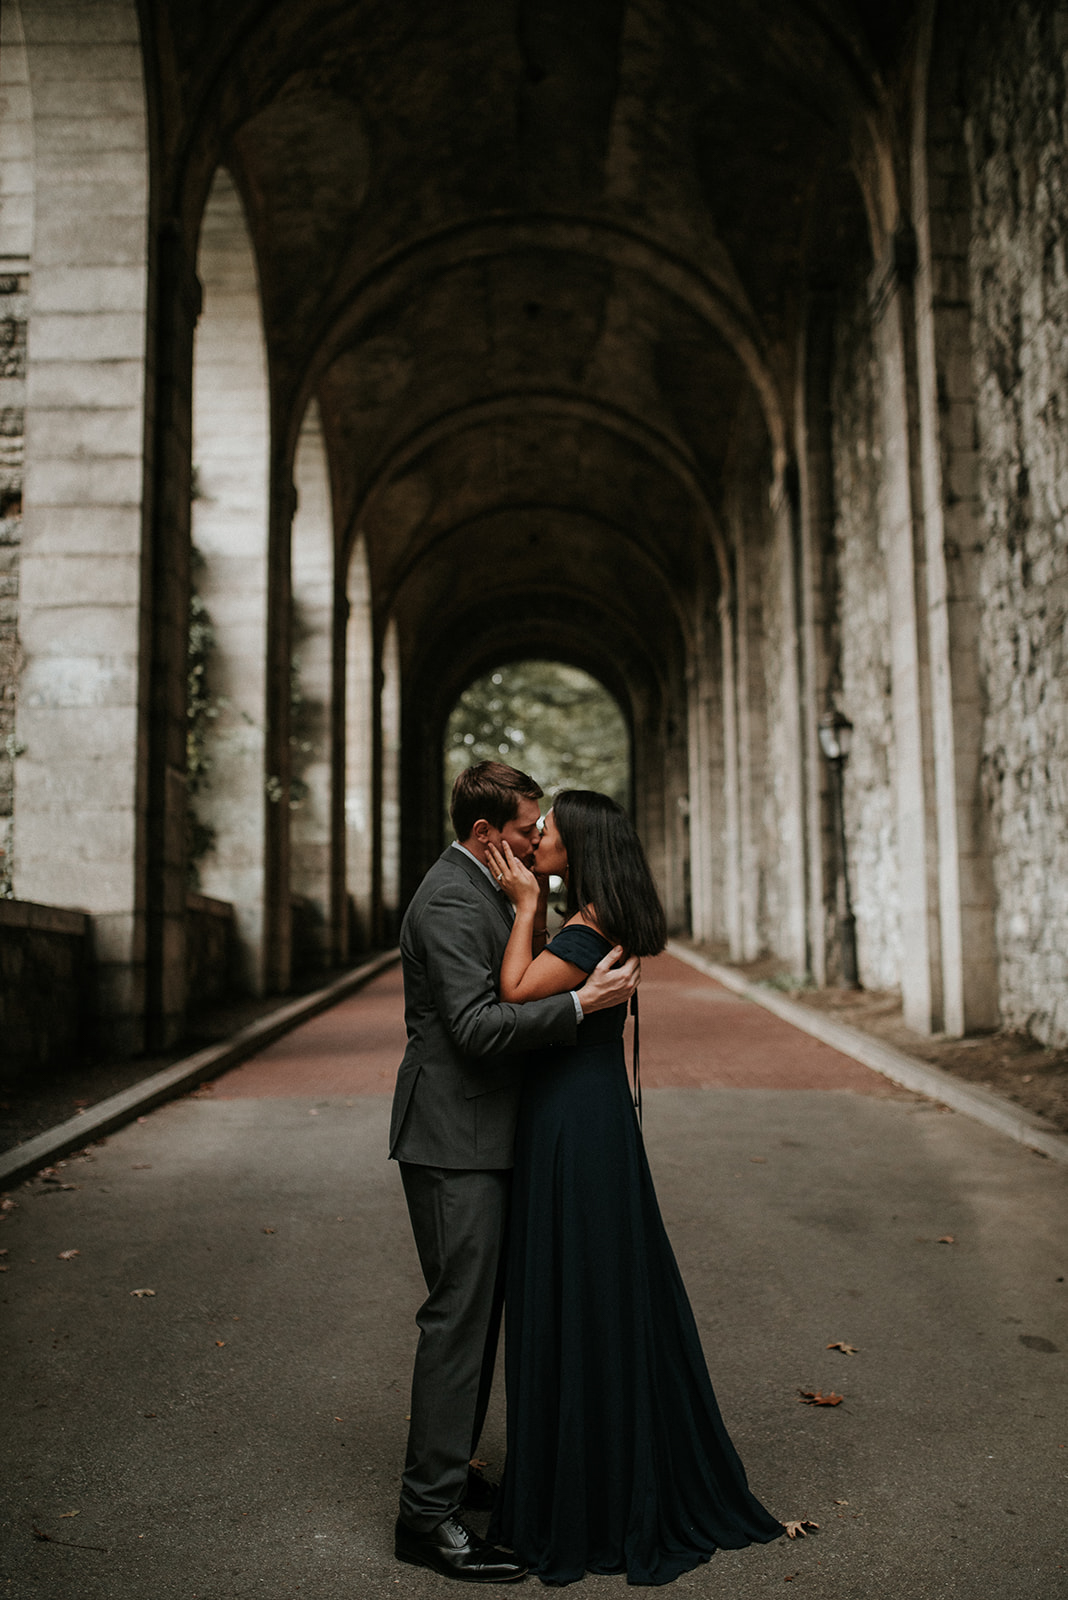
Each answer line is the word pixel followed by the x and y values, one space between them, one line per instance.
pixel 496 897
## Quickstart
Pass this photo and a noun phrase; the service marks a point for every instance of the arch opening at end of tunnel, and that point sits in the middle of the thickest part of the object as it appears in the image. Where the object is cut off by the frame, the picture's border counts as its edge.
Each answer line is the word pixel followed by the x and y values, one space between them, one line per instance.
pixel 555 721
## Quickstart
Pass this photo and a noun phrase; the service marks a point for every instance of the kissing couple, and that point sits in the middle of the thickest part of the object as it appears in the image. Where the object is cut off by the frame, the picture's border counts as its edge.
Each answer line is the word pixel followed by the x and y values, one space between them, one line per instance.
pixel 527 1186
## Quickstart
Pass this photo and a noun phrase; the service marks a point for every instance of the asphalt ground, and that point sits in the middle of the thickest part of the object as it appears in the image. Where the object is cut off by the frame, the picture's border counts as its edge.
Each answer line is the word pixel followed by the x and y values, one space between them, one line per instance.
pixel 238 1431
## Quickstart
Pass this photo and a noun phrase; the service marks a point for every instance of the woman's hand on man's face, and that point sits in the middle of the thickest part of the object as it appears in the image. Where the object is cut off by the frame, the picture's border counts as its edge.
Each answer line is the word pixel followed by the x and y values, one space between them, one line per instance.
pixel 518 883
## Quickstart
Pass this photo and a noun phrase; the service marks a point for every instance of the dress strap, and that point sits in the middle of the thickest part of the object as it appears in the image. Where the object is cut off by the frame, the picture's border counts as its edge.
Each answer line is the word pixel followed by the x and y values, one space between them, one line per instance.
pixel 636 1059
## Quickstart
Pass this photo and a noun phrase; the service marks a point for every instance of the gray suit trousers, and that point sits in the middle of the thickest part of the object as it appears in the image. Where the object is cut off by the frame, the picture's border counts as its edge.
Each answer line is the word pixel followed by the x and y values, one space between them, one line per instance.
pixel 458 1219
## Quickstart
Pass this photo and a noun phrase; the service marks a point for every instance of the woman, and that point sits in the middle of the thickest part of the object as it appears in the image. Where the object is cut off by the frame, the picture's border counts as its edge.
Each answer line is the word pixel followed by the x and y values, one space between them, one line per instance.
pixel 618 1459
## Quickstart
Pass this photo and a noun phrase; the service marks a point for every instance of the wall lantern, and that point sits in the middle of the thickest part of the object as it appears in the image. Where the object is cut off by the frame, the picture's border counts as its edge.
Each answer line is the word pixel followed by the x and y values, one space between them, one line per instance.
pixel 836 734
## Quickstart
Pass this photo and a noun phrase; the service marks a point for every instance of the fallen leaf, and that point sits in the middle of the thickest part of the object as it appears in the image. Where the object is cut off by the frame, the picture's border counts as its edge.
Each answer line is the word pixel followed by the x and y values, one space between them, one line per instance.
pixel 7 1205
pixel 761 1161
pixel 143 1294
pixel 947 1238
pixel 801 1528
pixel 63 1514
pixel 220 1343
pixel 268 1230
pixel 68 1255
pixel 816 1397
pixel 846 1349
pixel 5 1251
pixel 142 1166
pixel 841 1502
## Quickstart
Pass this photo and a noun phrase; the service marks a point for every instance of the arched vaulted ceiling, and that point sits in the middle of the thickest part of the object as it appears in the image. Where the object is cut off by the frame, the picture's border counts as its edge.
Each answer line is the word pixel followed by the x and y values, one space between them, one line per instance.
pixel 537 260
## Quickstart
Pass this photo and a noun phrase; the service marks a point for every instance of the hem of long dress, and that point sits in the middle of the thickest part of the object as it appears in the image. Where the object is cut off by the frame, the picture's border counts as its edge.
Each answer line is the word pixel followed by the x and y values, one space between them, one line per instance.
pixel 667 1573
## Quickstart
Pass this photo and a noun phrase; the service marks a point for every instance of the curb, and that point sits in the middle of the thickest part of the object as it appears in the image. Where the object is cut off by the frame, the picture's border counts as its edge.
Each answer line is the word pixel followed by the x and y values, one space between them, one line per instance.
pixel 23 1160
pixel 906 1070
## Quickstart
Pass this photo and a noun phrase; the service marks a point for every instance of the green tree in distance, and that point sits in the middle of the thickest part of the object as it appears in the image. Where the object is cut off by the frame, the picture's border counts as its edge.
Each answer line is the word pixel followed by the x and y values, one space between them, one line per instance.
pixel 553 721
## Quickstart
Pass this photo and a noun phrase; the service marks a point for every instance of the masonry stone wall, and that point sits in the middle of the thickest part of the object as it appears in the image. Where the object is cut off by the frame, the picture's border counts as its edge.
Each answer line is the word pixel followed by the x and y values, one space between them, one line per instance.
pixel 212 957
pixel 44 988
pixel 863 687
pixel 13 307
pixel 1016 132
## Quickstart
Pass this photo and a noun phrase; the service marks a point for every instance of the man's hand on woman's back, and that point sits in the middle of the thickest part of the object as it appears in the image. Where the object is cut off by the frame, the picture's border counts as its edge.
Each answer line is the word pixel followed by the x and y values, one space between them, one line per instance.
pixel 609 985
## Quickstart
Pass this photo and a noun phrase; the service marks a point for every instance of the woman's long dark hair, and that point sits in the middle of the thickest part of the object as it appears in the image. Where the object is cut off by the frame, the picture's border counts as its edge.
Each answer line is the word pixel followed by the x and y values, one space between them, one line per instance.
pixel 607 869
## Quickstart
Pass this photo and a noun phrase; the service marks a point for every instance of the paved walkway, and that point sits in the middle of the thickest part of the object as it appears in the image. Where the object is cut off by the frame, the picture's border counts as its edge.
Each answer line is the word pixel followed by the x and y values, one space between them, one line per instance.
pixel 237 1432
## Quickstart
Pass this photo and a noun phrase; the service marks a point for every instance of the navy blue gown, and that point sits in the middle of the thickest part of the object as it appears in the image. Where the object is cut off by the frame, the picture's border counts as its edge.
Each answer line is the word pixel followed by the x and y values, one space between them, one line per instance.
pixel 618 1459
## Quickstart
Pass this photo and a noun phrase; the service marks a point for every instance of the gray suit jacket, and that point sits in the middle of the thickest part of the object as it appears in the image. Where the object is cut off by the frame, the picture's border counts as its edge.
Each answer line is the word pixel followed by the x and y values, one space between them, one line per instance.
pixel 458 1085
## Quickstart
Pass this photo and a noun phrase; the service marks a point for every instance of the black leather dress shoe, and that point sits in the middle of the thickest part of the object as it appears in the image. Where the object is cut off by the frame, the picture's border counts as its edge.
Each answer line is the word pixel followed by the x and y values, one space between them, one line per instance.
pixel 480 1494
pixel 456 1552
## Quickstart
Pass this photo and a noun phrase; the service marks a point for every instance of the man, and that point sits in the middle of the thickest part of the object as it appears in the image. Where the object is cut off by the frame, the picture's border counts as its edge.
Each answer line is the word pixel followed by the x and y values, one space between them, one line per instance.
pixel 452 1132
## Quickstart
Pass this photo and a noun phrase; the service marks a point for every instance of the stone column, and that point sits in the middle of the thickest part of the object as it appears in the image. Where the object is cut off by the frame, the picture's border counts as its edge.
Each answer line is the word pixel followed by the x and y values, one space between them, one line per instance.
pixel 313 624
pixel 230 533
pixel 80 782
pixel 817 595
pixel 704 706
pixel 359 747
pixel 894 325
pixel 389 781
pixel 791 939
pixel 953 538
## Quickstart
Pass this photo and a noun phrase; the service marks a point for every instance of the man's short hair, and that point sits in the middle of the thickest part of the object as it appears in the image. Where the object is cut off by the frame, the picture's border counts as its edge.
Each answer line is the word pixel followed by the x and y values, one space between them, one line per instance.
pixel 491 791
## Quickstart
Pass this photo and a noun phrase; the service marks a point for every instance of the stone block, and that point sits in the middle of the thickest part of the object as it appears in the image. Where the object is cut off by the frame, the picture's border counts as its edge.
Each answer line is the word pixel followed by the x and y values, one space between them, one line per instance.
pixel 72 99
pixel 103 242
pixel 89 869
pixel 90 580
pixel 119 934
pixel 115 482
pixel 109 183
pixel 87 289
pixel 71 682
pixel 81 432
pixel 950 281
pixel 80 384
pixel 85 530
pixel 16 173
pixel 955 371
pixel 43 994
pixel 94 336
pixel 951 234
pixel 958 427
pixel 962 475
pixel 81 24
pixel 119 988
pixel 57 135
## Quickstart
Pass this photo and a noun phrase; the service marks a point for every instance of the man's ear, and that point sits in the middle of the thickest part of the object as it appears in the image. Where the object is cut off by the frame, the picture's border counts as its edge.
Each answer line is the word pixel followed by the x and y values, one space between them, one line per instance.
pixel 481 830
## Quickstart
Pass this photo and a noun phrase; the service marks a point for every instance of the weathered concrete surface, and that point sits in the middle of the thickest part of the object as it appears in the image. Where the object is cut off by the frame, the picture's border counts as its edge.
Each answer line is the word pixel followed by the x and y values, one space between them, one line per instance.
pixel 239 1432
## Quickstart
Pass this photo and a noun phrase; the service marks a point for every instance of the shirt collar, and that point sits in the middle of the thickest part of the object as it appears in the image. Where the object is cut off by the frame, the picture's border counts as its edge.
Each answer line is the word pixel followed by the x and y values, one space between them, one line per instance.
pixel 481 865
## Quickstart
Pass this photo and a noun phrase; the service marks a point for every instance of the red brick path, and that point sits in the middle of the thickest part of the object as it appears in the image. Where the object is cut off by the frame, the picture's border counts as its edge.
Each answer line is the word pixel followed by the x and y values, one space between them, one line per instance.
pixel 695 1034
